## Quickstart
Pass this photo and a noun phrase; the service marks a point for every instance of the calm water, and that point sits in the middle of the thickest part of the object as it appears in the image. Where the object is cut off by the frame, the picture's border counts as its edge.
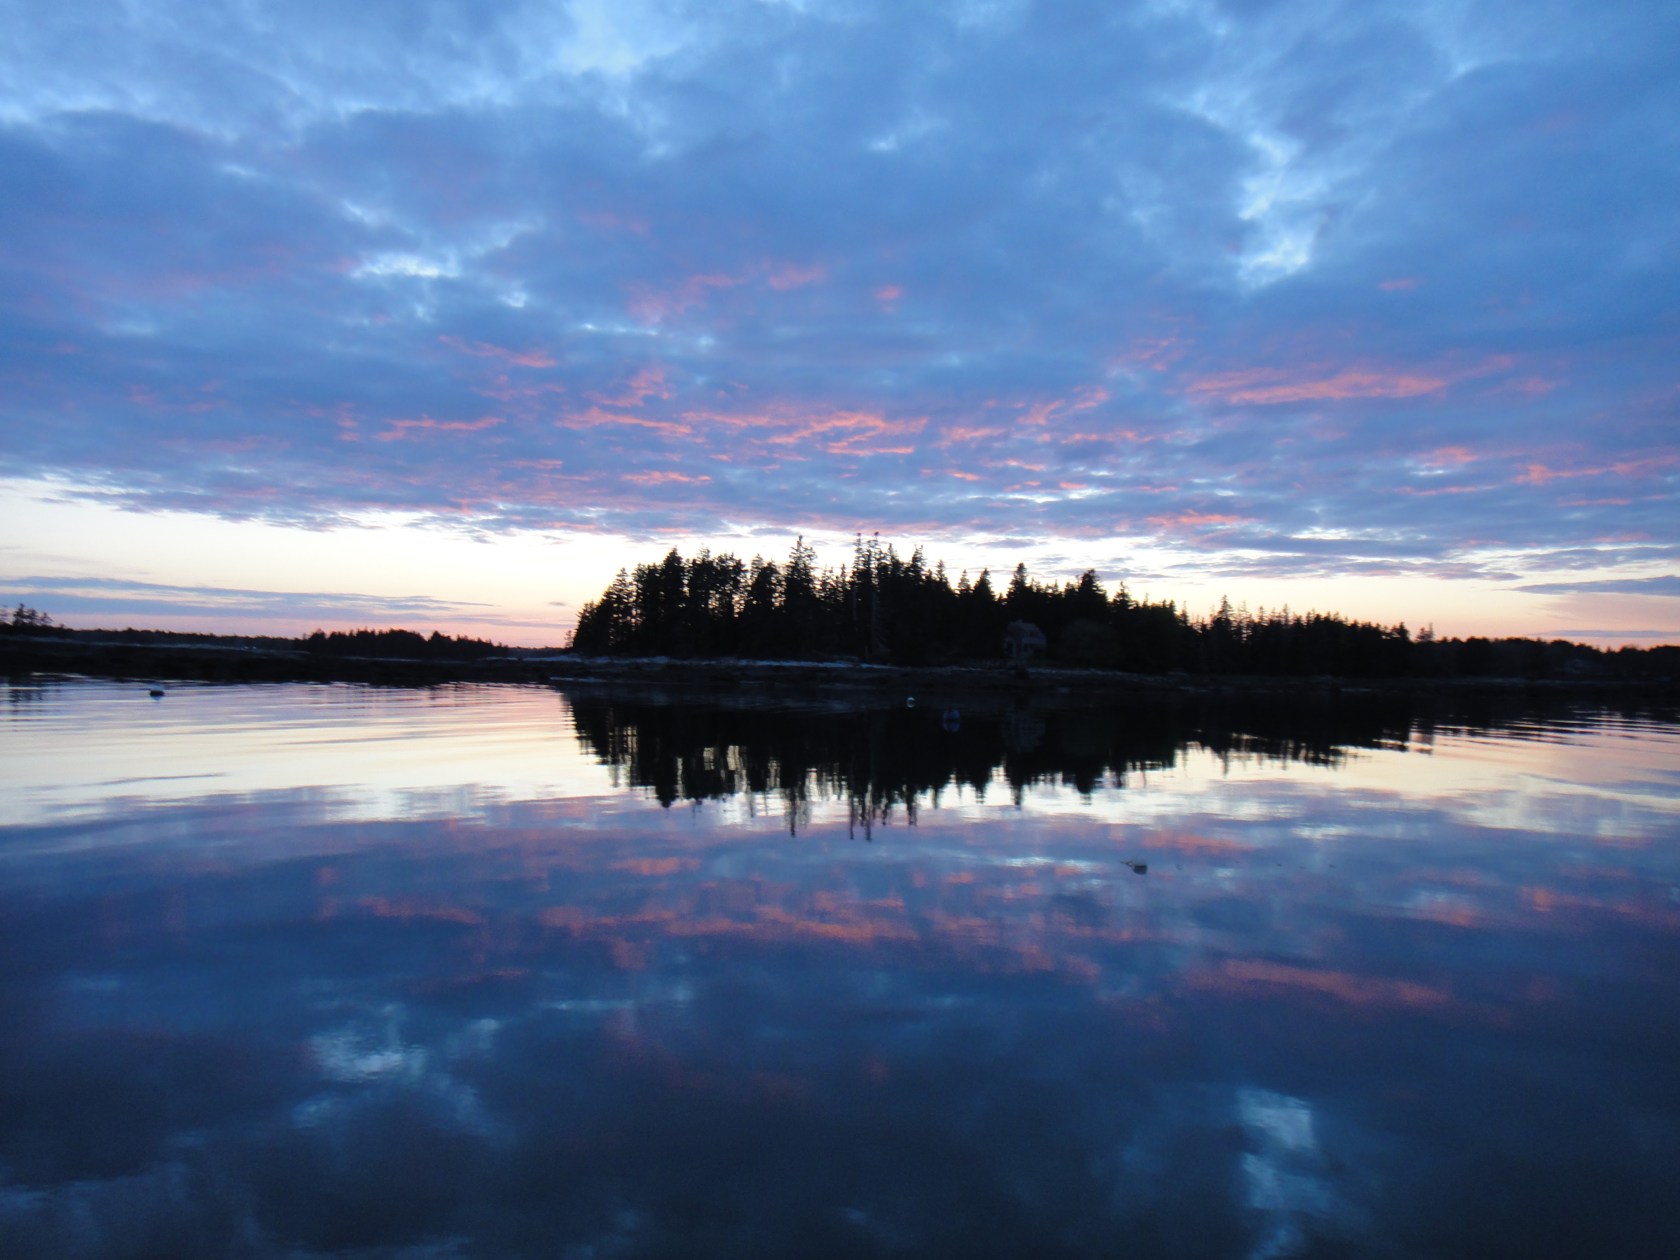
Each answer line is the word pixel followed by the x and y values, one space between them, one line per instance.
pixel 308 971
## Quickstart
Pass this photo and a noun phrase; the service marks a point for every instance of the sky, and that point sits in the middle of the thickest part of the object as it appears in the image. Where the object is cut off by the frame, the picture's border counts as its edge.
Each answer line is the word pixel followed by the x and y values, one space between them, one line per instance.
pixel 436 314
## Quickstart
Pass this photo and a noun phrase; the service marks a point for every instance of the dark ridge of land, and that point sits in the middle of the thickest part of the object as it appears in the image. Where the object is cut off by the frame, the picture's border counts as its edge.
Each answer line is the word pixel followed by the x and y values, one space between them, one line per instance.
pixel 236 661
pixel 939 686
pixel 290 661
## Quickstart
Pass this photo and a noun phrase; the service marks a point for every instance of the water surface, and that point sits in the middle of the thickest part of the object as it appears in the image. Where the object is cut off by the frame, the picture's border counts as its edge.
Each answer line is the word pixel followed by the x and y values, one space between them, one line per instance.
pixel 335 971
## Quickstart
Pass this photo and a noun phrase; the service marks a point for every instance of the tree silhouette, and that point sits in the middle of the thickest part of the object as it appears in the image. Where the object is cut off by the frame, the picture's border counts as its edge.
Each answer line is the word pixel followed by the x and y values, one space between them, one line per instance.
pixel 27 620
pixel 883 608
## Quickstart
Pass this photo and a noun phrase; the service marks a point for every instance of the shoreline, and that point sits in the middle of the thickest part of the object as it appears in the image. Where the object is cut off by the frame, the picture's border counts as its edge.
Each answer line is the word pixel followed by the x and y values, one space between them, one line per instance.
pixel 232 663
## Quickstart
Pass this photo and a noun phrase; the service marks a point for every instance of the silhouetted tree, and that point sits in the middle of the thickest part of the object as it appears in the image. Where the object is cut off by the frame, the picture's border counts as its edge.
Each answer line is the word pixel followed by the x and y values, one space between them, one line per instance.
pixel 27 620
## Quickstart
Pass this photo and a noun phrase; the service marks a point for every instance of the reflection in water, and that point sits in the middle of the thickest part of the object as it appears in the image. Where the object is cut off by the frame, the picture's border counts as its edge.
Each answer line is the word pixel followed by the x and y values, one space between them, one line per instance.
pixel 369 751
pixel 885 759
pixel 1364 1001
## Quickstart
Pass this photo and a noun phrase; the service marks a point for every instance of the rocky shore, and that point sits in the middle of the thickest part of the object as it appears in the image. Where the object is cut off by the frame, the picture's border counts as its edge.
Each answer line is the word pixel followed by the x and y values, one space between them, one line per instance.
pixel 22 656
pixel 215 662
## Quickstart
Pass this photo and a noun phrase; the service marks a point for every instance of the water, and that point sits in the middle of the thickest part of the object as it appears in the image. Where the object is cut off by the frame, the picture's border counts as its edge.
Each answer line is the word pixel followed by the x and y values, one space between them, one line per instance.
pixel 331 971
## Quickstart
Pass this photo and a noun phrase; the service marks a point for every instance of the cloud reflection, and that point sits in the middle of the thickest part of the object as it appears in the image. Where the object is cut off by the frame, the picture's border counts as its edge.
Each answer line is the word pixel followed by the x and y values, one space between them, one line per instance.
pixel 652 1029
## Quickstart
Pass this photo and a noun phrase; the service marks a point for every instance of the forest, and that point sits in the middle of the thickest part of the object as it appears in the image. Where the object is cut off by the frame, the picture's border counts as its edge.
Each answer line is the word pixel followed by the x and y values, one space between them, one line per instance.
pixel 392 644
pixel 889 609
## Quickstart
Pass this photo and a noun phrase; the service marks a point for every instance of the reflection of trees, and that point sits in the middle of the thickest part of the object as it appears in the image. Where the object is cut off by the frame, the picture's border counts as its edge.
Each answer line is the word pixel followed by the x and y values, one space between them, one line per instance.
pixel 878 760
pixel 20 695
pixel 889 761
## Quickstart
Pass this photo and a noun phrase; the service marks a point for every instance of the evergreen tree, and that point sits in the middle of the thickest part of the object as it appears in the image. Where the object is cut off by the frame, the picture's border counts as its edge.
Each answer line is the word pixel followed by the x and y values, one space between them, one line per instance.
pixel 886 608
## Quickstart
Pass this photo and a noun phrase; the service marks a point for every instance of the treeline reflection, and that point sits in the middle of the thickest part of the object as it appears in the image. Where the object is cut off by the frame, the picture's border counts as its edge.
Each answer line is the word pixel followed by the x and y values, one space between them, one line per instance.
pixel 883 761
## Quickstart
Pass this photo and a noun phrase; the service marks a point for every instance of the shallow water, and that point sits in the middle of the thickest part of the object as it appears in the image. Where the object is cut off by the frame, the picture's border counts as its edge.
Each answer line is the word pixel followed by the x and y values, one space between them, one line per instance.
pixel 300 971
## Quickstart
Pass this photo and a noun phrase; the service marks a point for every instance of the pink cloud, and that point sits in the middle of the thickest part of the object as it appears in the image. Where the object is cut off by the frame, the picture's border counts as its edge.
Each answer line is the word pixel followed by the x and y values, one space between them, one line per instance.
pixel 839 432
pixel 343 417
pixel 958 433
pixel 888 296
pixel 653 306
pixel 848 428
pixel 595 417
pixel 1538 474
pixel 1343 986
pixel 1152 354
pixel 1082 400
pixel 663 478
pixel 487 350
pixel 1193 520
pixel 649 382
pixel 1400 284
pixel 1266 386
pixel 792 276
pixel 1448 457
pixel 400 429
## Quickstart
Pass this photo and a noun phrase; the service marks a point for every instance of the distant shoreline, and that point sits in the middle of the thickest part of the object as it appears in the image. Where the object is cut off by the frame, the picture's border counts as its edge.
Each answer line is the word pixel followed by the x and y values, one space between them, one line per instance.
pixel 22 656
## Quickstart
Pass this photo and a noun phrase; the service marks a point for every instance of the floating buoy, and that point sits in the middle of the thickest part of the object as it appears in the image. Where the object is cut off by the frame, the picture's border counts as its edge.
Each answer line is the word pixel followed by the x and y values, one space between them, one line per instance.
pixel 156 693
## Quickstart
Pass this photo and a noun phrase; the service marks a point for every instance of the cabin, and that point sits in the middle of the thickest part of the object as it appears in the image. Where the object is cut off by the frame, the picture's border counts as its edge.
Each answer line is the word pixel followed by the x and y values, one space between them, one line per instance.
pixel 1022 640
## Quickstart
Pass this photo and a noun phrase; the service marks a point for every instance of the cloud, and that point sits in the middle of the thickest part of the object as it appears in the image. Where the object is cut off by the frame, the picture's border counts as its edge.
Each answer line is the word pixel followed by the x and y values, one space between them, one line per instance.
pixel 1269 386
pixel 1601 635
pixel 87 597
pixel 1339 274
pixel 1666 586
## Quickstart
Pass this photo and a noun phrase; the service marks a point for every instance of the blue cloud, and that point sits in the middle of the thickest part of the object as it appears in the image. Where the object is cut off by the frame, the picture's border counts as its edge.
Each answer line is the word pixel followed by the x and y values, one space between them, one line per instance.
pixel 1668 586
pixel 86 598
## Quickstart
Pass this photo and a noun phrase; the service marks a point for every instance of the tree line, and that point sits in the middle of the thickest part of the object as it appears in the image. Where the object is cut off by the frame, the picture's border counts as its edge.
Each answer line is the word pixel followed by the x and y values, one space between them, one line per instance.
pixel 892 609
pixel 400 645
pixel 26 620
pixel 394 644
